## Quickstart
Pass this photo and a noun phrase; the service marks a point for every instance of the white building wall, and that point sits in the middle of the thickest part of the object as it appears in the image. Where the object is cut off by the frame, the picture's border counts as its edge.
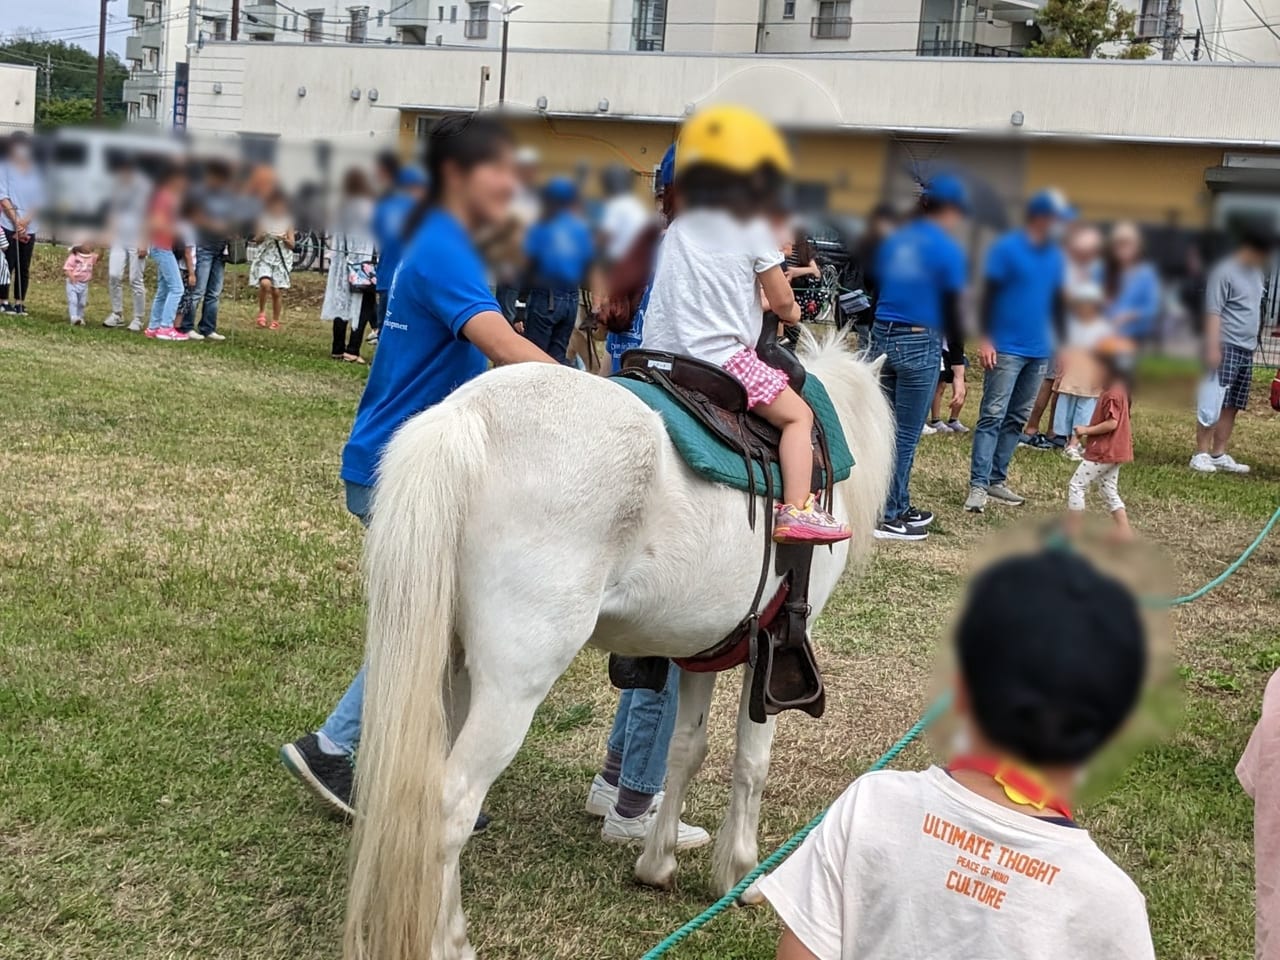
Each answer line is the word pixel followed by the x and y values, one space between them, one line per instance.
pixel 879 26
pixel 1119 99
pixel 17 97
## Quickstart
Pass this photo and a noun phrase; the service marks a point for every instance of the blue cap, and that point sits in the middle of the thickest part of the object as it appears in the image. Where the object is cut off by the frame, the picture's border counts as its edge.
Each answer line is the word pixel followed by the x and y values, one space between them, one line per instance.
pixel 560 190
pixel 1050 203
pixel 947 188
pixel 411 176
pixel 667 168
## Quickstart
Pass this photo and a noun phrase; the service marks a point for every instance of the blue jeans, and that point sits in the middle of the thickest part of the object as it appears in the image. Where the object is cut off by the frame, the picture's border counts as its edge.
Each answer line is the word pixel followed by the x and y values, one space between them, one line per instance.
pixel 1008 393
pixel 164 307
pixel 549 320
pixel 208 289
pixel 380 313
pixel 913 356
pixel 507 296
pixel 641 734
pixel 343 725
pixel 1072 412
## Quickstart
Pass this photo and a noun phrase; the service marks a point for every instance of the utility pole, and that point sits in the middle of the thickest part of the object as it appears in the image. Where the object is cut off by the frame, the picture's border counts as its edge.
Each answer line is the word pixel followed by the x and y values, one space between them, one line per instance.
pixel 48 78
pixel 1172 30
pixel 502 70
pixel 235 19
pixel 102 62
pixel 1195 52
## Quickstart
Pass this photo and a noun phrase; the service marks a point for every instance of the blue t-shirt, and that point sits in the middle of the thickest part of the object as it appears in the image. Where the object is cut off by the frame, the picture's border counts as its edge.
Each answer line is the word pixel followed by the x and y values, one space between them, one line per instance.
pixel 916 266
pixel 421 357
pixel 1027 277
pixel 1136 307
pixel 559 250
pixel 389 216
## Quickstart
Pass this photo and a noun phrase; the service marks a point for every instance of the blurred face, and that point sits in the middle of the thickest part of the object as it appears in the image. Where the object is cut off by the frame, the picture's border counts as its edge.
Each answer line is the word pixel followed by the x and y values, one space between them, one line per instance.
pixel 1086 310
pixel 1085 246
pixel 950 219
pixel 486 190
pixel 1125 245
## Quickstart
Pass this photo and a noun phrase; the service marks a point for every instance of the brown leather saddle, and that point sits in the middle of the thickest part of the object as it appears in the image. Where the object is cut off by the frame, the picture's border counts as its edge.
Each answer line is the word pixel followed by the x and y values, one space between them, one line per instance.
pixel 774 639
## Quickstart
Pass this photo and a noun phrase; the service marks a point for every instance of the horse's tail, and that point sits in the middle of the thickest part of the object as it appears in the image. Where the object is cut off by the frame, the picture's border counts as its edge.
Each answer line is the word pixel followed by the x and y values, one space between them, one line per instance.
pixel 425 482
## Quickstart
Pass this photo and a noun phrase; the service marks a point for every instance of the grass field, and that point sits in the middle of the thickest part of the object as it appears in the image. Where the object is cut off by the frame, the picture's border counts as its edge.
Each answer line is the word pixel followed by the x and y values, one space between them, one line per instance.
pixel 181 595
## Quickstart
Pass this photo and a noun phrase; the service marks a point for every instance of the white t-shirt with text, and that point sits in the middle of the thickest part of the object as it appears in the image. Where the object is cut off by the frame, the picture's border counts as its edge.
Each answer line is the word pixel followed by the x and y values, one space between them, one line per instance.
pixel 913 865
pixel 703 301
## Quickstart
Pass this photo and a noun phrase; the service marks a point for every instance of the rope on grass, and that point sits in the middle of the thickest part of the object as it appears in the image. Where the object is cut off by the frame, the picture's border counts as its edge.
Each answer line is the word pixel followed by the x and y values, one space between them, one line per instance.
pixel 938 707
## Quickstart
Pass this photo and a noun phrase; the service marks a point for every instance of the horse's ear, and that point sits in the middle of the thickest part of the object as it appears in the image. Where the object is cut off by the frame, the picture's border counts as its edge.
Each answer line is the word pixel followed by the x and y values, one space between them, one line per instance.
pixel 878 363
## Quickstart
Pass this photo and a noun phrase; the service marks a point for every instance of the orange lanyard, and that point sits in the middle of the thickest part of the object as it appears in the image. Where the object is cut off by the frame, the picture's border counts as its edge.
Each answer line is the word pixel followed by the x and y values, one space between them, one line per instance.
pixel 1020 785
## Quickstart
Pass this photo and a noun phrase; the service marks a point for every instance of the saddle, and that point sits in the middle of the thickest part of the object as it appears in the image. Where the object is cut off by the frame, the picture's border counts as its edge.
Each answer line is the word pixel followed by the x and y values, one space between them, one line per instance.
pixel 774 639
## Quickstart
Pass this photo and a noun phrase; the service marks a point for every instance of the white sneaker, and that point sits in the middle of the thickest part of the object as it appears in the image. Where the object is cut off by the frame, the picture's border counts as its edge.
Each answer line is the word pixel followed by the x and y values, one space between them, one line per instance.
pixel 1203 463
pixel 1073 453
pixel 194 335
pixel 135 327
pixel 372 338
pixel 214 337
pixel 928 430
pixel 618 829
pixel 113 321
pixel 601 797
pixel 1227 464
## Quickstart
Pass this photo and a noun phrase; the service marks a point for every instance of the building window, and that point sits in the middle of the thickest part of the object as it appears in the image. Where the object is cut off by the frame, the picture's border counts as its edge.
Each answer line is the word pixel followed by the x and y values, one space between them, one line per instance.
pixel 315 27
pixel 788 9
pixel 832 22
pixel 477 26
pixel 453 14
pixel 648 24
pixel 358 29
pixel 440 14
pixel 381 15
pixel 1151 20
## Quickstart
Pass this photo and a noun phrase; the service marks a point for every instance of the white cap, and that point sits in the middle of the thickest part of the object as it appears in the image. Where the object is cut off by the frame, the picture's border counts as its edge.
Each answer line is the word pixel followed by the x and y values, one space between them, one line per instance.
pixel 528 157
pixel 1085 291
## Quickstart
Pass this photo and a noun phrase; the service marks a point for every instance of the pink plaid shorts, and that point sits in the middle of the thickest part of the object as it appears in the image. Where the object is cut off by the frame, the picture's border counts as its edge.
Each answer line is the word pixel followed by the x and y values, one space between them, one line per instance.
pixel 764 383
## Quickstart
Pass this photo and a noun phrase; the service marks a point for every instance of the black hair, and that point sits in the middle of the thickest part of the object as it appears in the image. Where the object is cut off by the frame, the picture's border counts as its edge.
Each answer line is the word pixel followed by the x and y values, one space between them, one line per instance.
pixel 1256 236
pixel 744 195
pixel 464 141
pixel 218 169
pixel 388 164
pixel 1053 654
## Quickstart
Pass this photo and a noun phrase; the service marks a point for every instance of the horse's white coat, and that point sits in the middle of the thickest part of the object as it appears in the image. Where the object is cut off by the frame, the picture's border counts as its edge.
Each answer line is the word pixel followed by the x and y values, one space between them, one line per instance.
pixel 500 541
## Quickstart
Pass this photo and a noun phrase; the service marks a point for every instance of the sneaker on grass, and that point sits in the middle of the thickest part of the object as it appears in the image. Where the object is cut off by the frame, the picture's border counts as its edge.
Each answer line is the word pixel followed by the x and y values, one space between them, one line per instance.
pixel 998 491
pixel 976 502
pixel 619 829
pixel 329 776
pixel 1203 463
pixel 135 326
pixel 1225 463
pixel 113 320
pixel 915 517
pixel 214 337
pixel 899 529
pixel 955 426
pixel 193 334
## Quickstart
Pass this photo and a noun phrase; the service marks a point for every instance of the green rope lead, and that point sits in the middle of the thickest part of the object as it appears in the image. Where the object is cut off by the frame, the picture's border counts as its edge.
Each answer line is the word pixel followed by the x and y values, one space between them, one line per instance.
pixel 936 710
pixel 1221 578
pixel 729 899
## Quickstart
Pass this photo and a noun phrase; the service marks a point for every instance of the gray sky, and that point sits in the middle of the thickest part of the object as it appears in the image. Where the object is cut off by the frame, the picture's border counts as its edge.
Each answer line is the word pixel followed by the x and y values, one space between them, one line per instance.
pixel 75 21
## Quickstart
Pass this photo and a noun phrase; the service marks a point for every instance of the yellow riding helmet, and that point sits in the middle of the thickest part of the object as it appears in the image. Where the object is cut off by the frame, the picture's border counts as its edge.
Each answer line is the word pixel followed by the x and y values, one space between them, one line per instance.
pixel 733 138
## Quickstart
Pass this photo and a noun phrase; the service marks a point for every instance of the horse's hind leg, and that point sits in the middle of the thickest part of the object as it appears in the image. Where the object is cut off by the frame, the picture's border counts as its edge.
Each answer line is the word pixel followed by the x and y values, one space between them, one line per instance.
pixel 737 844
pixel 506 685
pixel 657 864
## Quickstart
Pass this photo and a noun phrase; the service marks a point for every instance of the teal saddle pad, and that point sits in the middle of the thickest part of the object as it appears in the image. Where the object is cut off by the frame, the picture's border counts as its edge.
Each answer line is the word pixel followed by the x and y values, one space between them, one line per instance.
pixel 712 458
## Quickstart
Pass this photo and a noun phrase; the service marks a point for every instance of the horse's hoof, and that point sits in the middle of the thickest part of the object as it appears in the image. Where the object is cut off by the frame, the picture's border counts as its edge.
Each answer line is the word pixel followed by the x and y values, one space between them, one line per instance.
pixel 751 897
pixel 660 878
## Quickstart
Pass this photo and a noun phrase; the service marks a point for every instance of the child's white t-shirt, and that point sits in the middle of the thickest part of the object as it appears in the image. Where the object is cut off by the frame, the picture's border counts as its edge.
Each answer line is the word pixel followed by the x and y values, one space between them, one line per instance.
pixel 913 865
pixel 703 301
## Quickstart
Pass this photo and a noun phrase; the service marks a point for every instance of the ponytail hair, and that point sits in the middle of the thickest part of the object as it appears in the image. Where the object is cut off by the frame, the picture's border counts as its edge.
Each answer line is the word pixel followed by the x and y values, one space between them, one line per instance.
pixel 463 141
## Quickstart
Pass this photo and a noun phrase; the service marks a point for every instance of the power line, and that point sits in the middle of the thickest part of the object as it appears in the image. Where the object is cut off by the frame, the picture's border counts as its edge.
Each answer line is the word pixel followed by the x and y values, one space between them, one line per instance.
pixel 1270 29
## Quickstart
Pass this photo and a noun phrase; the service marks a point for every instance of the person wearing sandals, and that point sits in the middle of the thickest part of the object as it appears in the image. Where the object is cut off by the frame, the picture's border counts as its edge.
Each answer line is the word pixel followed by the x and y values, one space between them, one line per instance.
pixel 350 246
pixel 273 257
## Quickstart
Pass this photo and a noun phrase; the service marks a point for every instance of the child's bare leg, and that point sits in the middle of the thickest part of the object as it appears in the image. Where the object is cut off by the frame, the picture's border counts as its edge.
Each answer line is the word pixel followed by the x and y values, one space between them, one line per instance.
pixel 277 305
pixel 263 286
pixel 1123 533
pixel 935 409
pixel 790 414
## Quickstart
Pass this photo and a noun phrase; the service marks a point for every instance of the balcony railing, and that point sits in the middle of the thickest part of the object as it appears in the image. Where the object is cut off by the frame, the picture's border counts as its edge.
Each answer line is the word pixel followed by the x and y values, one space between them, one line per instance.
pixel 1150 26
pixel 831 28
pixel 476 29
pixel 963 48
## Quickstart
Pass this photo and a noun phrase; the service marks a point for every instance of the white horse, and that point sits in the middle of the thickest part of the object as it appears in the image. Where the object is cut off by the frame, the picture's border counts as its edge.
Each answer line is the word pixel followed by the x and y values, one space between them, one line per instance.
pixel 500 546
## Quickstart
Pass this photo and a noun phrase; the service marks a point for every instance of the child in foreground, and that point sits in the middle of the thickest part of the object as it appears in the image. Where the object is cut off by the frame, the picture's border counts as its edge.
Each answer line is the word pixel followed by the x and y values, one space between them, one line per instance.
pixel 716 259
pixel 78 269
pixel 983 858
pixel 1108 442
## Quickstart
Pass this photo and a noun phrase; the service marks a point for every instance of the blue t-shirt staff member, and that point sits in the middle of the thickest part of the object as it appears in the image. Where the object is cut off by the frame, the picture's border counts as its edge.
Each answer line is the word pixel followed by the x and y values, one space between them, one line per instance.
pixel 442 329
pixel 1022 308
pixel 922 272
pixel 558 251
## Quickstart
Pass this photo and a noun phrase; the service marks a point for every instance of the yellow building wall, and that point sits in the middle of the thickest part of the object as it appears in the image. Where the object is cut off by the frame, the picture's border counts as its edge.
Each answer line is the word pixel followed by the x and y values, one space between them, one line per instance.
pixel 1156 184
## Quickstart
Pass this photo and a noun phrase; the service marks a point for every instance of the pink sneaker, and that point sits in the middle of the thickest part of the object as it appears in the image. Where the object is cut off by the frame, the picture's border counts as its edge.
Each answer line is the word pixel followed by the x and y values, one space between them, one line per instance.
pixel 151 332
pixel 810 525
pixel 168 333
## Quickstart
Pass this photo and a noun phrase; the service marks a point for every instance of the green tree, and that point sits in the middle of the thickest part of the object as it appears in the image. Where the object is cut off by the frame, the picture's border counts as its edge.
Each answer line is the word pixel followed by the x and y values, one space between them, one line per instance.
pixel 1076 29
pixel 72 80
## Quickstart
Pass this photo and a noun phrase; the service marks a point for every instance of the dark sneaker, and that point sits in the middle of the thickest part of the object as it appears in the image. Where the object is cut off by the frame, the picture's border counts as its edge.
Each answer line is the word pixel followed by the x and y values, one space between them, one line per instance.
pixel 328 776
pixel 917 518
pixel 1028 439
pixel 20 309
pixel 1056 443
pixel 1041 442
pixel 899 530
pixel 6 308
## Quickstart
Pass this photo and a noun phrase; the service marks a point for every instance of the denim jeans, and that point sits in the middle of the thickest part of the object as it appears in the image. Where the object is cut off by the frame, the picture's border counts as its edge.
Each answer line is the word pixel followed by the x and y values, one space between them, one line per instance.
pixel 507 296
pixel 164 307
pixel 343 725
pixel 1008 393
pixel 641 734
pixel 208 289
pixel 549 320
pixel 1072 412
pixel 913 356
